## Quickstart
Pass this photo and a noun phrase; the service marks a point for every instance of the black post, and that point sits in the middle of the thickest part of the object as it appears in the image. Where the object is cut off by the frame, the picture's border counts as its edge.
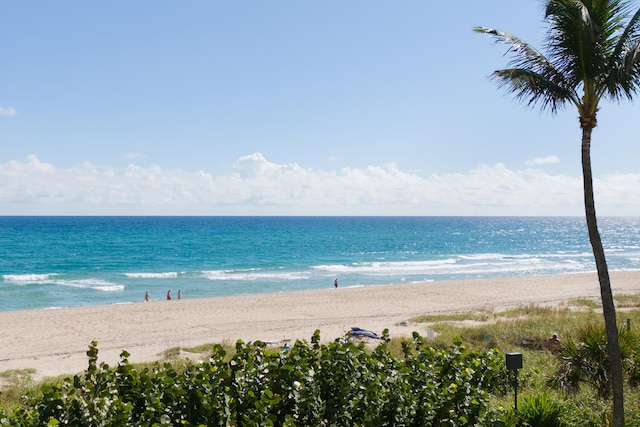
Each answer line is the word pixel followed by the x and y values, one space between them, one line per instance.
pixel 514 362
pixel 515 390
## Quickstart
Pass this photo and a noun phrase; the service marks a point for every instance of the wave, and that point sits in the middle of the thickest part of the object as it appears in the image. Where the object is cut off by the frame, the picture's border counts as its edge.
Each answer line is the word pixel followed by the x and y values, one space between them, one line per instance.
pixel 42 279
pixel 381 266
pixel 250 275
pixel 500 256
pixel 27 278
pixel 167 275
pixel 488 256
pixel 393 268
pixel 497 264
pixel 95 284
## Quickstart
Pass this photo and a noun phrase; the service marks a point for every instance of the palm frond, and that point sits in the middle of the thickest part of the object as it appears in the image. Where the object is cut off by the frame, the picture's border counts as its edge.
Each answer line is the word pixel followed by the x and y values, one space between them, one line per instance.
pixel 531 76
pixel 574 39
pixel 522 51
pixel 518 46
pixel 534 88
pixel 592 51
pixel 624 77
pixel 630 35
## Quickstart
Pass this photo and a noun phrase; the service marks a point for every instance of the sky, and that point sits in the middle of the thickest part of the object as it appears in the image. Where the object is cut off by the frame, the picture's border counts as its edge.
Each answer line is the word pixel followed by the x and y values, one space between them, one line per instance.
pixel 289 107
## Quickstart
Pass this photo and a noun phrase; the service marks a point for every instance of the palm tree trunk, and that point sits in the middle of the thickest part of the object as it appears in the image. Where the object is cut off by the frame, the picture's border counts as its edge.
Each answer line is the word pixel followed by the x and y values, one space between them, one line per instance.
pixel 608 307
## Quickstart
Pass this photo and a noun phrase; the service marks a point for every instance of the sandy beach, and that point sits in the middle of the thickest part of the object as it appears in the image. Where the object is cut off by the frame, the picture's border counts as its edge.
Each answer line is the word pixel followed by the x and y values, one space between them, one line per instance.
pixel 55 341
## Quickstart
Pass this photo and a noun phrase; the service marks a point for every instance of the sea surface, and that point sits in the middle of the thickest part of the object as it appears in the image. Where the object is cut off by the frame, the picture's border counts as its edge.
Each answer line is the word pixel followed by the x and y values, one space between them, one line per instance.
pixel 50 262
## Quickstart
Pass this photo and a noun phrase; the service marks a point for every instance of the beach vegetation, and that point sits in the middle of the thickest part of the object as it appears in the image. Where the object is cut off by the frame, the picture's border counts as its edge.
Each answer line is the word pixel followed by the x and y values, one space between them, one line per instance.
pixel 592 53
pixel 627 301
pixel 208 348
pixel 587 303
pixel 542 410
pixel 456 378
pixel 532 310
pixel 584 359
pixel 527 329
pixel 527 326
pixel 15 383
pixel 338 383
pixel 17 374
pixel 172 353
pixel 478 316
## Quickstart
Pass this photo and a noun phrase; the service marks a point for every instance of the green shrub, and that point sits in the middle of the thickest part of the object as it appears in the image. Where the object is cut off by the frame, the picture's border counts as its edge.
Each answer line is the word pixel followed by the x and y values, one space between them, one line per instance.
pixel 584 360
pixel 540 410
pixel 340 383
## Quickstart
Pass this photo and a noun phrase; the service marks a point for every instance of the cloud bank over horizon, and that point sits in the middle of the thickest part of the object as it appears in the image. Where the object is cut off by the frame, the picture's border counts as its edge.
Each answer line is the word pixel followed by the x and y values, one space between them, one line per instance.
pixel 260 187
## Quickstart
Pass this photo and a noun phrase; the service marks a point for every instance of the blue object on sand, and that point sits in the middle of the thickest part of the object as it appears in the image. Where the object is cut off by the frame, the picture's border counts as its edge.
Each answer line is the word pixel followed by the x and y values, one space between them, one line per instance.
pixel 358 332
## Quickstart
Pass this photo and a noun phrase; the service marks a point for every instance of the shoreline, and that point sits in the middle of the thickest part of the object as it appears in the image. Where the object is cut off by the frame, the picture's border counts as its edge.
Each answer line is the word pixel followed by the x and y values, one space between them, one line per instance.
pixel 55 341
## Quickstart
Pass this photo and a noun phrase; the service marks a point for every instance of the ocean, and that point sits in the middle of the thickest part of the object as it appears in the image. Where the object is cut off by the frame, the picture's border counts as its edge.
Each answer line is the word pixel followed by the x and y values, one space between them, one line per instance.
pixel 50 262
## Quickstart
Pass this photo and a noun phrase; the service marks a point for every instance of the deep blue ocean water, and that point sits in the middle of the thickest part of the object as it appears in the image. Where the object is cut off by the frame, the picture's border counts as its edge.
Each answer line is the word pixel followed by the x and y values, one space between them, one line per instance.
pixel 48 262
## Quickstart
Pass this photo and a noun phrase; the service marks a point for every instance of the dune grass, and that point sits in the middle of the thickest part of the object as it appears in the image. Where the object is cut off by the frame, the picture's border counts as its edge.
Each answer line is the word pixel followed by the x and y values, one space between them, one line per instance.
pixel 525 329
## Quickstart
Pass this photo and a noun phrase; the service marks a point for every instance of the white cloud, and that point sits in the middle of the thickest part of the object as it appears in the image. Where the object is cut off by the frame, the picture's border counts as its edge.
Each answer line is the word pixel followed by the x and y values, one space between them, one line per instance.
pixel 7 111
pixel 260 187
pixel 549 160
pixel 133 156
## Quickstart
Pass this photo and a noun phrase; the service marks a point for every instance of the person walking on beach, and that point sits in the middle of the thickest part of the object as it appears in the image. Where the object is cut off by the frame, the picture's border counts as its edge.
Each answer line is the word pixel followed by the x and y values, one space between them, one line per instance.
pixel 179 296
pixel 168 295
pixel 335 283
pixel 146 296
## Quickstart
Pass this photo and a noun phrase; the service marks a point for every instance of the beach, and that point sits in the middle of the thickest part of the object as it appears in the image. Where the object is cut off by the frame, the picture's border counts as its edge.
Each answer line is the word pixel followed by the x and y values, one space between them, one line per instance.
pixel 55 341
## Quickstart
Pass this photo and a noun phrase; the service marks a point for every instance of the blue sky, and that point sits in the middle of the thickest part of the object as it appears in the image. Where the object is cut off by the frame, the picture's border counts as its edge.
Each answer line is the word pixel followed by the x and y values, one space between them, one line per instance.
pixel 363 107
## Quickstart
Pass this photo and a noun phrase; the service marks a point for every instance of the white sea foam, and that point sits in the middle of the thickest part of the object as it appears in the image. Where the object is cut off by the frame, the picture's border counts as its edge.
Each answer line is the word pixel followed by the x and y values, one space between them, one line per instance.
pixel 95 284
pixel 167 275
pixel 250 275
pixel 499 256
pixel 464 265
pixel 486 256
pixel 382 267
pixel 27 278
pixel 563 255
pixel 393 268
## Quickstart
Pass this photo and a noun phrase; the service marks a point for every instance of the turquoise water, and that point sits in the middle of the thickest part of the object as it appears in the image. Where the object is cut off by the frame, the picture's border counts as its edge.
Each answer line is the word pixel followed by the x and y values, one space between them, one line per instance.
pixel 77 261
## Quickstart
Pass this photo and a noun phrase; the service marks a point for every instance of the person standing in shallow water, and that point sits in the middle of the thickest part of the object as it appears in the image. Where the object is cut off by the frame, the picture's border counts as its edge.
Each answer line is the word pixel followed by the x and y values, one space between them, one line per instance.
pixel 168 295
pixel 335 283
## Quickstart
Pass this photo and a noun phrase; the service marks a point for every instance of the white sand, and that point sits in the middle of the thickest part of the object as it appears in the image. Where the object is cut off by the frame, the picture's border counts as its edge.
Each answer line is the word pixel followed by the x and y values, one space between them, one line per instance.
pixel 55 341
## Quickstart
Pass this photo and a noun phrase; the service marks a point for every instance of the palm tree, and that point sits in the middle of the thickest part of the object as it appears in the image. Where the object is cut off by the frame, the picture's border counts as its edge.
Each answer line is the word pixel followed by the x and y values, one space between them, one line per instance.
pixel 593 54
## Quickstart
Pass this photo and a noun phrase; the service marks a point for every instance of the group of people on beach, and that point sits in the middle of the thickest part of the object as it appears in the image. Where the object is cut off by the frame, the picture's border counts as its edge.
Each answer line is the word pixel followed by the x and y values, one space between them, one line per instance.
pixel 146 295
